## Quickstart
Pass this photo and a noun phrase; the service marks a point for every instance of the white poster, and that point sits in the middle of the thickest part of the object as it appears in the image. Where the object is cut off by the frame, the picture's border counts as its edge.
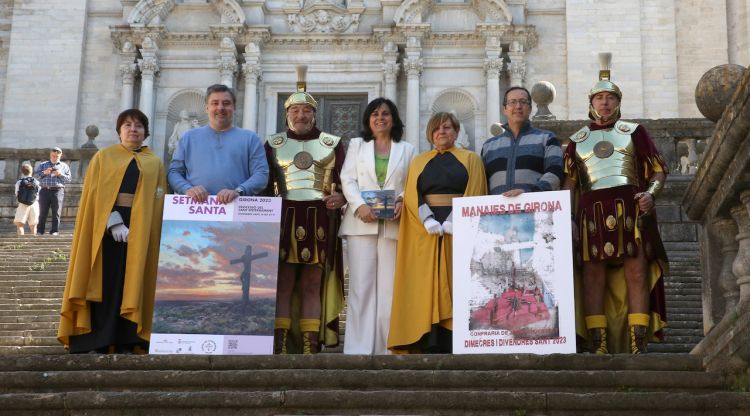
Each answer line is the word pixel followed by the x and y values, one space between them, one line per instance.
pixel 513 274
pixel 216 282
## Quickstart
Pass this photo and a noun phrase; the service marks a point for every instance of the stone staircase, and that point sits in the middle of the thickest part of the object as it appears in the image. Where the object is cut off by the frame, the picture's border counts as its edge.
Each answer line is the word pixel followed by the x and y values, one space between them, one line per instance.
pixel 32 279
pixel 38 378
pixel 663 384
pixel 683 295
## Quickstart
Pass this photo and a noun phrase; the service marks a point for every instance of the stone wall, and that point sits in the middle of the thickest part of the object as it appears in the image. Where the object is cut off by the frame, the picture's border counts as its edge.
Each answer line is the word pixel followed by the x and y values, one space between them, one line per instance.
pixel 701 45
pixel 43 75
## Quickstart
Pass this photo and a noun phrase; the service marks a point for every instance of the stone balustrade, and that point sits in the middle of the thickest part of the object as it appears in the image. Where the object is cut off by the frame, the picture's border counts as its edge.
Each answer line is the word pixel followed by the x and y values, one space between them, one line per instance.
pixel 719 198
pixel 10 170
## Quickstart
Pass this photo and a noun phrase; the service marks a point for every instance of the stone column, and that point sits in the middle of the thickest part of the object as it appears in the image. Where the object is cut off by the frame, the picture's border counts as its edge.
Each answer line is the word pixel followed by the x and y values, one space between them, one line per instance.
pixel 252 71
pixel 493 65
pixel 149 66
pixel 128 69
pixel 725 231
pixel 517 67
pixel 390 70
pixel 227 62
pixel 741 265
pixel 413 68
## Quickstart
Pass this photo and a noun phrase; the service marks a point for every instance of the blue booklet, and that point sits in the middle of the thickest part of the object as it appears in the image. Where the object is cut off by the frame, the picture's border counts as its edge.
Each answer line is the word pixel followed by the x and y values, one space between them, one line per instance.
pixel 382 202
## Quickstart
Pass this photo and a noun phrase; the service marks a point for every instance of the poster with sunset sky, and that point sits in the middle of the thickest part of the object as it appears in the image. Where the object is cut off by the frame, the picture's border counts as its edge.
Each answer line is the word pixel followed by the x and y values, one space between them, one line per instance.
pixel 216 277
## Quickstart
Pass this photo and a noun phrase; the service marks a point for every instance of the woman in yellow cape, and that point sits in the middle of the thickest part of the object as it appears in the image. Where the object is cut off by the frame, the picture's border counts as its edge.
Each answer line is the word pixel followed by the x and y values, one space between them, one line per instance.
pixel 109 294
pixel 422 311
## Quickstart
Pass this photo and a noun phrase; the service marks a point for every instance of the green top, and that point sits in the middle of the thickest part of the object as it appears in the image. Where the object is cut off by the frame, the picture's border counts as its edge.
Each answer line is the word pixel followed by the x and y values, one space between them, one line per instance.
pixel 381 168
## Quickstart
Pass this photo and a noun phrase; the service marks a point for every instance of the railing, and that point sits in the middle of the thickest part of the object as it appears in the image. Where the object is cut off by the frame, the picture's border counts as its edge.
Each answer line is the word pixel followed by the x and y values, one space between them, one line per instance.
pixel 10 170
pixel 719 197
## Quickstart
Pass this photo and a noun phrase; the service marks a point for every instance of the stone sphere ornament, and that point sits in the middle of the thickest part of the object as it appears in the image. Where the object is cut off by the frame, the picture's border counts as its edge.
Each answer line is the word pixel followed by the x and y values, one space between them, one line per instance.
pixel 715 89
pixel 92 132
pixel 543 93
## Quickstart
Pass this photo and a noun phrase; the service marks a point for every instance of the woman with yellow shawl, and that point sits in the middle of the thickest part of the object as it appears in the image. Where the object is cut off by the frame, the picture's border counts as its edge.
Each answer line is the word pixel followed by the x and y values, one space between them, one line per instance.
pixel 422 311
pixel 109 294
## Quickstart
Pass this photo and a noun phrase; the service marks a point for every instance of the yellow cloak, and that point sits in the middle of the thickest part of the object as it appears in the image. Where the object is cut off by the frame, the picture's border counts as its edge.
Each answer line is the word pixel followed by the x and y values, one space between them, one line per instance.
pixel 84 282
pixel 423 283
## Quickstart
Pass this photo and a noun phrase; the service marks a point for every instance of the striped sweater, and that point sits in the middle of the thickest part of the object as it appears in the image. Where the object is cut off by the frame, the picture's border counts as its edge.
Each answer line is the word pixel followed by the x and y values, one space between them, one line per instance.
pixel 532 161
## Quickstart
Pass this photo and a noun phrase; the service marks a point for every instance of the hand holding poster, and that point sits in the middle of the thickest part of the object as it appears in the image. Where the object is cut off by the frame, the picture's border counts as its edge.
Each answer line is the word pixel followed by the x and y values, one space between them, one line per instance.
pixel 216 281
pixel 513 274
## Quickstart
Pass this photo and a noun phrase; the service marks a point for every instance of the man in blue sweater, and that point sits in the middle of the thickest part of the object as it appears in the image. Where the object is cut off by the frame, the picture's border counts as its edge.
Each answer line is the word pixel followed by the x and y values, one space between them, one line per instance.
pixel 219 159
pixel 522 158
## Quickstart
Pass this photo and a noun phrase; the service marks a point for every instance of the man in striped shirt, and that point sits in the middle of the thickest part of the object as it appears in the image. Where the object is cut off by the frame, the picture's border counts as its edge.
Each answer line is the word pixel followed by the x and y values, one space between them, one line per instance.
pixel 522 158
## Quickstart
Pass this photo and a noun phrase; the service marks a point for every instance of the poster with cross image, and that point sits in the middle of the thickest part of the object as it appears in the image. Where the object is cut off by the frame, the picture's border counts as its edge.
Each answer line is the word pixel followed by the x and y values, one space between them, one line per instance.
pixel 216 281
pixel 513 274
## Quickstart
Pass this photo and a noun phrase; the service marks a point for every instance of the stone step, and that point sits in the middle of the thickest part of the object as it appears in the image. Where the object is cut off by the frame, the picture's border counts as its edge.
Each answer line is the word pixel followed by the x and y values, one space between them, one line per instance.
pixel 671 348
pixel 32 349
pixel 689 364
pixel 42 293
pixel 27 312
pixel 689 317
pixel 46 316
pixel 325 379
pixel 348 402
pixel 39 300
pixel 21 326
pixel 682 291
pixel 683 324
pixel 688 332
pixel 672 309
pixel 19 341
pixel 29 333
pixel 678 303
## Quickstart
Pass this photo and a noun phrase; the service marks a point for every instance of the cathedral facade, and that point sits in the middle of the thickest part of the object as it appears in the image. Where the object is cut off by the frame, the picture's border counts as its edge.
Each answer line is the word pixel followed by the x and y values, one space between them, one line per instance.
pixel 68 64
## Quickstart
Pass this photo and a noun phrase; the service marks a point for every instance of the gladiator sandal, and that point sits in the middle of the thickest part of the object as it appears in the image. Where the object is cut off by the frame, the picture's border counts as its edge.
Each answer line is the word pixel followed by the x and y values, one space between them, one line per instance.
pixel 280 336
pixel 597 326
pixel 637 324
pixel 599 341
pixel 310 343
pixel 310 329
pixel 637 339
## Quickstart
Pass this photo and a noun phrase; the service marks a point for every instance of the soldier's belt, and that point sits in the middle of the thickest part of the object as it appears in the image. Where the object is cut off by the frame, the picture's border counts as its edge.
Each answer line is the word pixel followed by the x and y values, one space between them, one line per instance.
pixel 124 200
pixel 441 200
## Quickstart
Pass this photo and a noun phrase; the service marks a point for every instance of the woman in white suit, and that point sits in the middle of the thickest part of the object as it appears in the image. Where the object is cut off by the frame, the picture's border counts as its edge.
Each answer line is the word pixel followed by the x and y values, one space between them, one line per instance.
pixel 379 160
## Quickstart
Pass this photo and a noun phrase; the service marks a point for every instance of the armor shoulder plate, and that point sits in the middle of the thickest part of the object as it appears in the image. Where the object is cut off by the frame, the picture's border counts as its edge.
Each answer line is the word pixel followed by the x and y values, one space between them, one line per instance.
pixel 581 135
pixel 277 140
pixel 626 127
pixel 329 140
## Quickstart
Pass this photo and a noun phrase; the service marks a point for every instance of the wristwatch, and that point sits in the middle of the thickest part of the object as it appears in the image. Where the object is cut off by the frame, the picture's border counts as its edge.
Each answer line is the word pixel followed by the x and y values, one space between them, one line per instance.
pixel 239 190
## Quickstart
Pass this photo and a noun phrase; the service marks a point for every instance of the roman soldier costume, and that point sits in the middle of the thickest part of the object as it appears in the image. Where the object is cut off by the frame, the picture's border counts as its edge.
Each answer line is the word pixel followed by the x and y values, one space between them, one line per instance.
pixel 611 162
pixel 304 168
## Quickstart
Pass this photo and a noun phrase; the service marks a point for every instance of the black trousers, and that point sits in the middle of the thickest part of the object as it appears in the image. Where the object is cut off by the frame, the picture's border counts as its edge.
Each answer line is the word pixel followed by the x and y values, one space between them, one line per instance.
pixel 50 198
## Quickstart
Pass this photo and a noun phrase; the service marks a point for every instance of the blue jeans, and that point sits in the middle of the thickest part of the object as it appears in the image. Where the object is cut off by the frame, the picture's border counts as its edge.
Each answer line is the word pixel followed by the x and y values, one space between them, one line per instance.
pixel 50 198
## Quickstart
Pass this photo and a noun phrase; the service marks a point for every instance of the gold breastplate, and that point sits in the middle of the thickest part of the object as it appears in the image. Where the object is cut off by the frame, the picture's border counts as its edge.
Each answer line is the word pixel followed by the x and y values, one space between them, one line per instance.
pixel 304 168
pixel 607 157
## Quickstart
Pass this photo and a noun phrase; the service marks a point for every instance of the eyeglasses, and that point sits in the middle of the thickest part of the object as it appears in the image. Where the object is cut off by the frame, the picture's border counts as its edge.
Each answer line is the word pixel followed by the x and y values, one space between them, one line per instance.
pixel 513 103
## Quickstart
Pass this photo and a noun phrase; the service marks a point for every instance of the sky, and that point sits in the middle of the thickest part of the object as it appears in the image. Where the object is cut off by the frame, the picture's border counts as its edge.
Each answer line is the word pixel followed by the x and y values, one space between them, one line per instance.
pixel 194 260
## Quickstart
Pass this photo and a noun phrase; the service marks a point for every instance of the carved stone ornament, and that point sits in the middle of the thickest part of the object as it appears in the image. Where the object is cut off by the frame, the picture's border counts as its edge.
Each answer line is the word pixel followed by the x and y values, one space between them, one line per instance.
pixel 413 66
pixel 493 67
pixel 323 17
pixel 150 12
pixel 416 11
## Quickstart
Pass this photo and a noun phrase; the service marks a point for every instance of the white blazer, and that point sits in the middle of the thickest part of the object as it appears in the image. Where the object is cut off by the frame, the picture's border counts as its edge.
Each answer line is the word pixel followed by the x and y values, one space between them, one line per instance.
pixel 358 174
